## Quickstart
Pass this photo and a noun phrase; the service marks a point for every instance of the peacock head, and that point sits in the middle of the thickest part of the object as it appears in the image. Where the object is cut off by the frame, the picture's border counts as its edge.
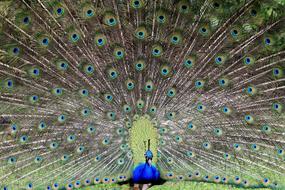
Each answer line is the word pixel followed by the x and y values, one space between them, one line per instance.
pixel 148 154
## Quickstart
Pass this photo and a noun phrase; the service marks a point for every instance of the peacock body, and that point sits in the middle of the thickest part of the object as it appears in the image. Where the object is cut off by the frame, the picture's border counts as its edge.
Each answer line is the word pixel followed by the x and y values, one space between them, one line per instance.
pixel 83 84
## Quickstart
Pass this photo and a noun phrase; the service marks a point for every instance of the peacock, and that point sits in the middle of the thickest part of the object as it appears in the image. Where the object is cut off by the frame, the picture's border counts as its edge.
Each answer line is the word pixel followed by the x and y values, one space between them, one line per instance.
pixel 92 89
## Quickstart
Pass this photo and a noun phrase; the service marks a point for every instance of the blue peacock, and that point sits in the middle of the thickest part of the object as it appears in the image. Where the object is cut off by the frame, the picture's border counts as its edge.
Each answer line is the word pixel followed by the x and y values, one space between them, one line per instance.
pixel 85 84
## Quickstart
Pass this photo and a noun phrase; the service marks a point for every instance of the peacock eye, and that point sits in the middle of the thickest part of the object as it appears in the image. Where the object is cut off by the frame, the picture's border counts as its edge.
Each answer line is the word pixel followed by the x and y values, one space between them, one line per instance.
pixel 59 10
pixel 141 33
pixel 149 86
pixel 42 125
pixel 14 128
pixel 207 145
pixel 85 112
pixel 267 41
pixel 130 84
pixel 156 50
pixel 55 185
pixel 74 36
pixel 183 7
pixel 87 181
pixel 90 68
pixel 111 115
pixel 96 180
pixel 178 138
pixel 91 129
pixel 80 149
pixel 253 12
pixel 89 13
pixel 110 19
pixel 171 92
pixel 63 65
pixel 137 4
pixel 26 20
pixel 108 97
pixel 199 84
pixel 35 98
pixel 251 90
pixel 218 60
pixel 189 62
pixel 34 72
pixel 266 180
pixel 176 38
pixel 24 139
pixel 12 160
pixel 120 161
pixel 61 118
pixel 161 18
pixel 16 50
pixel 45 41
pixel 57 91
pixel 29 185
pixel 276 71
pixel 218 131
pixel 119 53
pixel 216 5
pixel 38 159
pixel 234 33
pixel 100 40
pixel 112 73
pixel 280 152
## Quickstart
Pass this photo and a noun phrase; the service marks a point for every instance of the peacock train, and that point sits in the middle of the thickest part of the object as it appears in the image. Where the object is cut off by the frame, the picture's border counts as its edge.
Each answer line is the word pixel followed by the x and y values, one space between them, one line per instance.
pixel 123 93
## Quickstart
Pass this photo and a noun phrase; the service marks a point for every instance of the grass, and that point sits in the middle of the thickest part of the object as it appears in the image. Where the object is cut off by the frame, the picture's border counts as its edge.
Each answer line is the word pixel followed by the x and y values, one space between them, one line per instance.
pixel 174 185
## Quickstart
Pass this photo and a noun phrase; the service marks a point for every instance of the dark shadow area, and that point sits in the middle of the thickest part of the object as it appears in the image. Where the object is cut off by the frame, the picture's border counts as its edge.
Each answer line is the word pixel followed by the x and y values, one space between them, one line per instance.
pixel 163 181
pixel 131 183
